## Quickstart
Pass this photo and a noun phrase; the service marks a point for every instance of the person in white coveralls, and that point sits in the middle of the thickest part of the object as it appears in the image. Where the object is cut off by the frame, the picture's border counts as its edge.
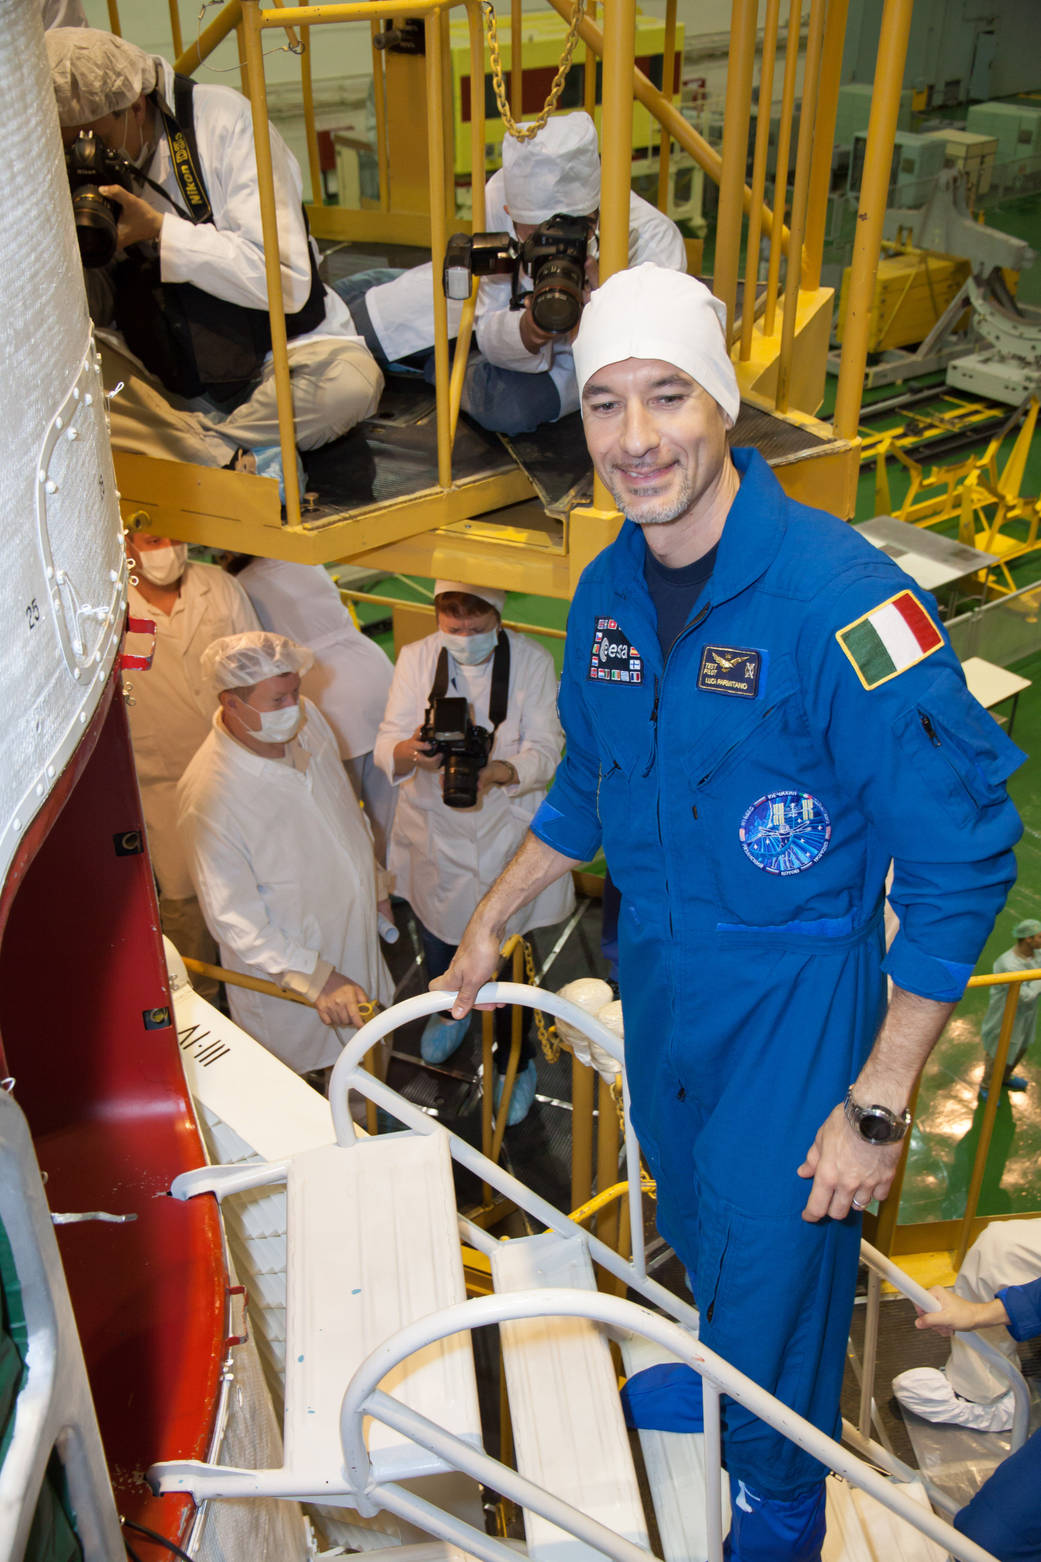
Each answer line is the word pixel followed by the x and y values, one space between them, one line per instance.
pixel 281 854
pixel 350 678
pixel 443 858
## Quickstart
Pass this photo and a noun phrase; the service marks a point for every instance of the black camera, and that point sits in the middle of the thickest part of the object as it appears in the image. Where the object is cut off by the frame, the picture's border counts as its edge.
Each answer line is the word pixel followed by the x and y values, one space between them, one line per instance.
pixel 554 256
pixel 90 164
pixel 447 730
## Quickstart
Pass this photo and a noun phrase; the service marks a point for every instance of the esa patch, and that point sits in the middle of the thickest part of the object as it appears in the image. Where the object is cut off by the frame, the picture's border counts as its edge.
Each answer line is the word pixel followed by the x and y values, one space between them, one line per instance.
pixel 612 659
pixel 785 832
pixel 890 639
pixel 727 669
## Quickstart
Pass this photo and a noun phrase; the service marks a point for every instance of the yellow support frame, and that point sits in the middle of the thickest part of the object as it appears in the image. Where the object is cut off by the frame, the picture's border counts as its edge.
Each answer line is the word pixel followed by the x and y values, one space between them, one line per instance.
pixel 438 529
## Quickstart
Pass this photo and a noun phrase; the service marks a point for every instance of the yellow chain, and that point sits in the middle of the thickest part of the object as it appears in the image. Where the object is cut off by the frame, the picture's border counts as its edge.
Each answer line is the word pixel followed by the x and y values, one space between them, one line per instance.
pixel 528 132
pixel 546 1034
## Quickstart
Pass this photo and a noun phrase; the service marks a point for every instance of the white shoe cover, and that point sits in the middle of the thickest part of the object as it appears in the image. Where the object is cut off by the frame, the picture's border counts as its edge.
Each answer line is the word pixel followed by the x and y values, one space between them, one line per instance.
pixel 927 1391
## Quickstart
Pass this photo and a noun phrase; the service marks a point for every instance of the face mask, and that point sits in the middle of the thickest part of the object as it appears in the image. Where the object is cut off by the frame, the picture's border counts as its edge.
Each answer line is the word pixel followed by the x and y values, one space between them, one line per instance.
pixel 468 650
pixel 163 566
pixel 278 726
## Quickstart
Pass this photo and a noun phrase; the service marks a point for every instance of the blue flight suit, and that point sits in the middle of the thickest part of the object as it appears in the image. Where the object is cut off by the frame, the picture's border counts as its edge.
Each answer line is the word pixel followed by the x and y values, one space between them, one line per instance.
pixel 750 795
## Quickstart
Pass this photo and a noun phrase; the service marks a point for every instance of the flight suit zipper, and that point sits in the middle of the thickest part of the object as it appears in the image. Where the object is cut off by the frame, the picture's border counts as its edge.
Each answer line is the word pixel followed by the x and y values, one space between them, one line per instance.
pixel 688 629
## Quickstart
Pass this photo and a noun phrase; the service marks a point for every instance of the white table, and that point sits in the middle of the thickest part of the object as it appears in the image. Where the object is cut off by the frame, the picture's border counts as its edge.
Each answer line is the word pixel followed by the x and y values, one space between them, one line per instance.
pixel 992 684
pixel 930 559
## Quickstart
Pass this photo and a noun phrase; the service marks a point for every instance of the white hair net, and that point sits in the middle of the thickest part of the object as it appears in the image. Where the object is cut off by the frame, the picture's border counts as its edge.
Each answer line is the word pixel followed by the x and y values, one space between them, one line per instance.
pixel 652 312
pixel 495 599
pixel 240 661
pixel 1029 928
pixel 557 171
pixel 94 73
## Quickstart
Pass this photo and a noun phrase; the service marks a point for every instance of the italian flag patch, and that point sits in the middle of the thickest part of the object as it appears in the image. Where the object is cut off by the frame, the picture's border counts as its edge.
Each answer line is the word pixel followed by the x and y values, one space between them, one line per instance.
pixel 890 639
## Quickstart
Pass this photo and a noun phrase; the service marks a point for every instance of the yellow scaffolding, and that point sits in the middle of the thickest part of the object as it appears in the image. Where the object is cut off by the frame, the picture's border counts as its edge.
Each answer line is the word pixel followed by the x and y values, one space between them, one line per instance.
pixel 780 349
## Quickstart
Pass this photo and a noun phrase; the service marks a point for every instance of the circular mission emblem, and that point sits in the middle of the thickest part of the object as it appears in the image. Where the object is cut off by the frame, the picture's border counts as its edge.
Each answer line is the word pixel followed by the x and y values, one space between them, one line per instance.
pixel 785 832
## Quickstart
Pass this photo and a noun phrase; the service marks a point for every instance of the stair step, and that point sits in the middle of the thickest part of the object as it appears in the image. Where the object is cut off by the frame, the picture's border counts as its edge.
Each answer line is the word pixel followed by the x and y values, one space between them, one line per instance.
pixel 860 1529
pixel 675 1465
pixel 373 1246
pixel 568 1428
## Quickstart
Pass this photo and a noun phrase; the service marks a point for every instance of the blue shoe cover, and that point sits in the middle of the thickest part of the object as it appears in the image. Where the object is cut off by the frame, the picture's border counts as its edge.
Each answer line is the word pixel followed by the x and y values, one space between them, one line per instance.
pixel 522 1097
pixel 269 464
pixel 1015 1082
pixel 775 1529
pixel 442 1037
pixel 666 1398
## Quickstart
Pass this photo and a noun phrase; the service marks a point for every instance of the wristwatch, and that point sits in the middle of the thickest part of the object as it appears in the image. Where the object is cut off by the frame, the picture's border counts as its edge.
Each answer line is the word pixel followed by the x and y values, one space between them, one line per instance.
pixel 877 1124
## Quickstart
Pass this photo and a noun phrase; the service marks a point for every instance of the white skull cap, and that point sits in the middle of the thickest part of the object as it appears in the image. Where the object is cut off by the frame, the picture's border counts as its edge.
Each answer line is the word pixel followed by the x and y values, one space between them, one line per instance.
pixel 240 661
pixel 94 73
pixel 495 599
pixel 557 171
pixel 653 312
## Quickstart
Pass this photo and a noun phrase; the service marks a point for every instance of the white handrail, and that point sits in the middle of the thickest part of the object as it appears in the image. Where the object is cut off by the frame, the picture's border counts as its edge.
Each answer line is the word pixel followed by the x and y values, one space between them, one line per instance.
pixel 362 1398
pixel 927 1302
pixel 347 1072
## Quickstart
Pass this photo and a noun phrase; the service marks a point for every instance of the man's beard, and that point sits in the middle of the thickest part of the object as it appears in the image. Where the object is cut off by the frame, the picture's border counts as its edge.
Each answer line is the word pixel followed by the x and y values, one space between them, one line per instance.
pixel 657 511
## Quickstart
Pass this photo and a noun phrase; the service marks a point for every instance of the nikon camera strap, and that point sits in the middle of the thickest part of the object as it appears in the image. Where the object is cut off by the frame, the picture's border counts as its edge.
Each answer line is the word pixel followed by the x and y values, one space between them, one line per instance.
pixel 184 149
pixel 500 680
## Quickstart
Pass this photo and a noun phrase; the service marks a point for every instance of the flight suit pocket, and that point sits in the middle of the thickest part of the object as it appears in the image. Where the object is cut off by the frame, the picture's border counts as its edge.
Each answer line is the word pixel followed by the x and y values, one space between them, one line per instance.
pixel 966 766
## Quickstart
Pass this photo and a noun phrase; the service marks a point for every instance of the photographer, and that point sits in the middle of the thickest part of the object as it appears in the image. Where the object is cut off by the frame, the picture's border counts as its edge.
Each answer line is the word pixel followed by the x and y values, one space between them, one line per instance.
pixel 444 858
pixel 186 292
pixel 523 376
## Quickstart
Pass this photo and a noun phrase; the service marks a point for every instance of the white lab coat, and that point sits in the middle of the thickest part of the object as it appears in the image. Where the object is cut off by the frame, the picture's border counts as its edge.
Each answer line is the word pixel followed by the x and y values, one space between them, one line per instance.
pixel 225 257
pixel 402 312
pixel 444 859
pixel 173 707
pixel 284 870
pixel 350 679
pixel 652 237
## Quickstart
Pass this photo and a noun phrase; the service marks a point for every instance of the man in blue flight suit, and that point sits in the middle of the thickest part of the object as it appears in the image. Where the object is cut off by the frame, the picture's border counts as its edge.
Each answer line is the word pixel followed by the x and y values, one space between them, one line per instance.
pixel 761 714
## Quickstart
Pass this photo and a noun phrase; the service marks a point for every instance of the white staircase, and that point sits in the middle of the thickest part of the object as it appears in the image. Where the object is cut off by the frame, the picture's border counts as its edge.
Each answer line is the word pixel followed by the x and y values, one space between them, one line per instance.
pixel 675 1465
pixel 380 1385
pixel 568 1430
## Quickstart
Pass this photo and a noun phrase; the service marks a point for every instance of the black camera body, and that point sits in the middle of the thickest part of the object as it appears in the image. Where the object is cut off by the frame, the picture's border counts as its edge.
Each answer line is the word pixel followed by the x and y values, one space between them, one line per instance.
pixel 90 164
pixel 464 748
pixel 554 256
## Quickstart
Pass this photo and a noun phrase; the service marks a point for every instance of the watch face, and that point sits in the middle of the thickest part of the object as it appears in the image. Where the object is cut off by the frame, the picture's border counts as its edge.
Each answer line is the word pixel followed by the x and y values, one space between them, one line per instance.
pixel 875 1127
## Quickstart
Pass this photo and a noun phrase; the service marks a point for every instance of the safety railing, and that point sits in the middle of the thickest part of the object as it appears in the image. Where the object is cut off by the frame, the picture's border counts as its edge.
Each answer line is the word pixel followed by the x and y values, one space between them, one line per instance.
pixel 363 1396
pixel 493 1120
pixel 880 1268
pixel 622 81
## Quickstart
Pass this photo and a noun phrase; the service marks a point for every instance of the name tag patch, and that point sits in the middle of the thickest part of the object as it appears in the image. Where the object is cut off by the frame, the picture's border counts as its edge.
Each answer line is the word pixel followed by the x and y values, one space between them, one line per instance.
pixel 612 659
pixel 728 669
pixel 785 832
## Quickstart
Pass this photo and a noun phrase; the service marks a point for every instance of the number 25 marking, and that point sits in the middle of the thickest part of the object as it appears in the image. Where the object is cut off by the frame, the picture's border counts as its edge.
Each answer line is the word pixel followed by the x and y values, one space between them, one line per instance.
pixel 32 614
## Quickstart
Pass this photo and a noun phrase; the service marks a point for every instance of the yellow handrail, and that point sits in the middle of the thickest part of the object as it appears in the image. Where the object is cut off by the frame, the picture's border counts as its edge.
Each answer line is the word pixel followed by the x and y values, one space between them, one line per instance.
pixel 889 1210
pixel 666 114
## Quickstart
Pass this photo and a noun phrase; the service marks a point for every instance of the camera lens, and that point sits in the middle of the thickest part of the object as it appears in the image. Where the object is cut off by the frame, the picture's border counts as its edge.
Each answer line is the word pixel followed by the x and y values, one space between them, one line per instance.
pixel 556 303
pixel 96 218
pixel 460 780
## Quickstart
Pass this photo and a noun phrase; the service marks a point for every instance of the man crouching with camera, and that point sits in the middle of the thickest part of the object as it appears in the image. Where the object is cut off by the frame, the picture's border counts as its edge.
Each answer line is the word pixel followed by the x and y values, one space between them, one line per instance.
pixel 163 183
pixel 471 740
pixel 523 375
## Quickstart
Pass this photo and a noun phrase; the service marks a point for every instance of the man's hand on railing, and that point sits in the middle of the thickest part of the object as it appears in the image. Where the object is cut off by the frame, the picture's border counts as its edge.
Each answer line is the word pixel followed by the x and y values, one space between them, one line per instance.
pixel 956 1313
pixel 340 1000
pixel 476 961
